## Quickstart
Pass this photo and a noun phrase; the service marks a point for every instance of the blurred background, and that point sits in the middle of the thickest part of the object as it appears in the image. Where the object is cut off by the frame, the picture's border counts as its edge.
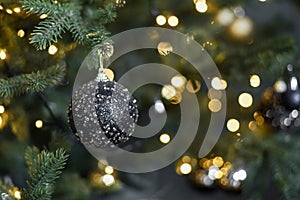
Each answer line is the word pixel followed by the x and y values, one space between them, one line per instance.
pixel 253 43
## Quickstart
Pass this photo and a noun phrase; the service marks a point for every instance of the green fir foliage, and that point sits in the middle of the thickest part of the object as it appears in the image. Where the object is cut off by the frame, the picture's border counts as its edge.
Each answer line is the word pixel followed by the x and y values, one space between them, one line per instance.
pixel 67 16
pixel 44 168
pixel 33 82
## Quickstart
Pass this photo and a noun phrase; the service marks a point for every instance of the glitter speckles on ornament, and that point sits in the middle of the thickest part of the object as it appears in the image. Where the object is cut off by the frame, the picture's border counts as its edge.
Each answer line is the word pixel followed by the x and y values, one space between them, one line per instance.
pixel 104 113
pixel 116 111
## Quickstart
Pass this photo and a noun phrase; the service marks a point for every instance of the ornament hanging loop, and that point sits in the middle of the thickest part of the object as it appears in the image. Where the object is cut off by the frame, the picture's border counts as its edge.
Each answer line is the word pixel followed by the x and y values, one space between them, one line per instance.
pixel 105 50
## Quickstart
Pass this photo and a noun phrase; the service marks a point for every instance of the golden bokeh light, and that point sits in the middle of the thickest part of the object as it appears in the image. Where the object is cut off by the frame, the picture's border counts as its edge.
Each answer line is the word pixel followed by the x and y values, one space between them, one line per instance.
pixel 17 194
pixel 1 7
pixel 218 84
pixel 214 94
pixel 43 16
pixel 109 170
pixel 186 168
pixel 2 109
pixel 2 54
pixel 178 81
pixel 52 49
pixel 225 17
pixel 186 159
pixel 161 20
pixel 218 174
pixel 9 11
pixel 17 9
pixel 164 48
pixel 108 179
pixel 218 161
pixel 39 123
pixel 233 125
pixel 215 105
pixel 280 86
pixel 252 125
pixel 173 21
pixel 164 138
pixel 201 6
pixel 193 86
pixel 109 73
pixel 21 33
pixel 255 81
pixel 176 99
pixel 168 92
pixel 241 28
pixel 245 100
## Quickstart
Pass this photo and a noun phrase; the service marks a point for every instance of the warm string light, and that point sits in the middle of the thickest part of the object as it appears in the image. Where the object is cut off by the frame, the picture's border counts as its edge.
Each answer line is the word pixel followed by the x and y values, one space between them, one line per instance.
pixel 225 17
pixel 178 82
pixel 173 92
pixel 2 109
pixel 161 20
pixel 201 6
pixel 43 16
pixel 108 179
pixel 17 9
pixel 233 125
pixel 17 194
pixel 172 20
pixel 215 105
pixel 245 100
pixel 168 92
pixel 241 28
pixel 106 176
pixel 255 81
pixel 21 33
pixel 193 86
pixel 2 54
pixel 164 48
pixel 207 171
pixel 39 123
pixel 109 73
pixel 109 170
pixel 9 11
pixel 218 84
pixel 52 49
pixel 164 138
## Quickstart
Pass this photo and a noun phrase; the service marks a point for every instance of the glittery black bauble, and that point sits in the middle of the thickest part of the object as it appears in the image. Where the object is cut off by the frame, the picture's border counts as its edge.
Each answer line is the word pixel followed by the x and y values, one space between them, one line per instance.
pixel 103 113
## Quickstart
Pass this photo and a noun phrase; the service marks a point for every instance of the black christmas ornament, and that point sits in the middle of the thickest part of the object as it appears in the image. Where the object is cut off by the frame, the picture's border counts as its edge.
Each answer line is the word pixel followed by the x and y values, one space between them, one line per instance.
pixel 102 113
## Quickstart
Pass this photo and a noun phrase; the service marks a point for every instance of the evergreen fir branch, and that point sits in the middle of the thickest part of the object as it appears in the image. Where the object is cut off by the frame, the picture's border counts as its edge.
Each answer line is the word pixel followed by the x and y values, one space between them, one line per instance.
pixel 77 29
pixel 67 17
pixel 107 14
pixel 34 82
pixel 30 157
pixel 40 7
pixel 97 35
pixel 48 31
pixel 43 169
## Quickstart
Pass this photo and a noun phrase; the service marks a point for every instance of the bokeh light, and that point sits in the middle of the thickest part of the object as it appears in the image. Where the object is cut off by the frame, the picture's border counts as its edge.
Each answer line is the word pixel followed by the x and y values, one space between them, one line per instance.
pixel 233 125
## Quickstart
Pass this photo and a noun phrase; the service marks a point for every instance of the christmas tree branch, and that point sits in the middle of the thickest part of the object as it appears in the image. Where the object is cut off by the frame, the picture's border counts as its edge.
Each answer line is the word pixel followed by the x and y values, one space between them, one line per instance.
pixel 34 82
pixel 49 31
pixel 67 16
pixel 44 168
